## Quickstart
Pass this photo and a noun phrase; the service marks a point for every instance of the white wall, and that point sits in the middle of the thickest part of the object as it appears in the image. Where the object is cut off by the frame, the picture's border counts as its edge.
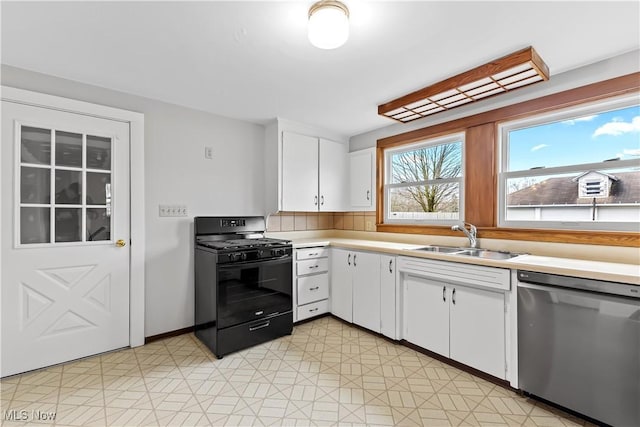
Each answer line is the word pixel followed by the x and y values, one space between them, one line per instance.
pixel 607 69
pixel 176 173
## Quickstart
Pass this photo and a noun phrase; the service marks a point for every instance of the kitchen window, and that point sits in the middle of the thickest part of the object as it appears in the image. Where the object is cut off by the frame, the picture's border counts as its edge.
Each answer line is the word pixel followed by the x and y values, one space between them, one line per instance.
pixel 577 168
pixel 424 182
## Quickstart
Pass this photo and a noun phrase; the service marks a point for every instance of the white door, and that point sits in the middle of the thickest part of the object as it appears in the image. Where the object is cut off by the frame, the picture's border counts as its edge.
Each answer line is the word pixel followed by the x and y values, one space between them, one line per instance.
pixel 360 173
pixel 366 290
pixel 333 176
pixel 341 284
pixel 64 220
pixel 426 316
pixel 299 172
pixel 477 329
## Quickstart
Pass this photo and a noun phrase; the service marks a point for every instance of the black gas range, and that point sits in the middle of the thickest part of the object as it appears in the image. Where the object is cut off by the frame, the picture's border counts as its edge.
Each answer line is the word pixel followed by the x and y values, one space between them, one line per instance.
pixel 243 283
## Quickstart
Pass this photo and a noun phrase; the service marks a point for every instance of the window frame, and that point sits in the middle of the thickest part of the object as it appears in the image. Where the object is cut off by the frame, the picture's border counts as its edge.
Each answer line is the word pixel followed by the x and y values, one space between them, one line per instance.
pixel 388 173
pixel 504 174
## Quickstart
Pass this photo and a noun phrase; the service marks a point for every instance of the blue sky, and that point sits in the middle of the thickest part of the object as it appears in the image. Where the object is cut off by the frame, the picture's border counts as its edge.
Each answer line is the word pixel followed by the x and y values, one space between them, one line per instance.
pixel 587 139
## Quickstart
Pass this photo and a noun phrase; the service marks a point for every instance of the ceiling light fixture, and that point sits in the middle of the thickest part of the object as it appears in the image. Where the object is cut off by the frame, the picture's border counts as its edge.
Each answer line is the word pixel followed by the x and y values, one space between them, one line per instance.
pixel 328 24
pixel 502 75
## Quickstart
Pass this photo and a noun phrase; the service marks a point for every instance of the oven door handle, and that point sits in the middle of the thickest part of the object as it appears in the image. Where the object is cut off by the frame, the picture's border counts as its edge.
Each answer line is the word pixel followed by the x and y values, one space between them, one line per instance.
pixel 260 263
pixel 264 325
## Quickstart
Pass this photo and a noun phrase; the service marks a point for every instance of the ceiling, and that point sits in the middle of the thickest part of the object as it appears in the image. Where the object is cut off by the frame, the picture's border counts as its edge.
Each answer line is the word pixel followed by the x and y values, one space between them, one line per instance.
pixel 252 60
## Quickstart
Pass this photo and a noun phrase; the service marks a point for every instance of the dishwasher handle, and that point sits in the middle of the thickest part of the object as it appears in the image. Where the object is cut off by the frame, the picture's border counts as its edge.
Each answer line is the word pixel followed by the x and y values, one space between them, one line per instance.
pixel 578 283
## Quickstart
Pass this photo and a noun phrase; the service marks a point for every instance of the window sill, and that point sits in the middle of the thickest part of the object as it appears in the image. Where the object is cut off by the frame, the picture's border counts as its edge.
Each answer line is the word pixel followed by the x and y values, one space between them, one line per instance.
pixel 604 238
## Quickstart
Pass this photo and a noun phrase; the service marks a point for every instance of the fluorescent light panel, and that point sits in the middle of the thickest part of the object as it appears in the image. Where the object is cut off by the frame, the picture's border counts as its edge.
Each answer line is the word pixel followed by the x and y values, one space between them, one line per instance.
pixel 513 71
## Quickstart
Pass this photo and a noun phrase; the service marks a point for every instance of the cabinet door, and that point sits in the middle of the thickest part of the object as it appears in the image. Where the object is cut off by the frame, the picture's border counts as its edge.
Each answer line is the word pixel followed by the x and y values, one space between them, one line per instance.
pixel 333 175
pixel 299 172
pixel 366 290
pixel 360 165
pixel 426 314
pixel 388 296
pixel 477 329
pixel 341 286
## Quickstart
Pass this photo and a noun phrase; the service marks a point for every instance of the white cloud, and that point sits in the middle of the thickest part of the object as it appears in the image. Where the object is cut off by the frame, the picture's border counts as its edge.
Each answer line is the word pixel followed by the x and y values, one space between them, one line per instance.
pixel 631 151
pixel 580 119
pixel 538 147
pixel 617 128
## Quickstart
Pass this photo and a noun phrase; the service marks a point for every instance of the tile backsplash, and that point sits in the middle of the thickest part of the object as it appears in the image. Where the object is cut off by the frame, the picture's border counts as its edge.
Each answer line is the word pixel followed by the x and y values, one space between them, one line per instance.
pixel 303 221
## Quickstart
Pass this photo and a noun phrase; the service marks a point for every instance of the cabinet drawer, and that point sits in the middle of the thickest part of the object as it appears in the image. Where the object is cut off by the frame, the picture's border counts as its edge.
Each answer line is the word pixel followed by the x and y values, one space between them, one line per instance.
pixel 313 309
pixel 310 253
pixel 312 266
pixel 313 288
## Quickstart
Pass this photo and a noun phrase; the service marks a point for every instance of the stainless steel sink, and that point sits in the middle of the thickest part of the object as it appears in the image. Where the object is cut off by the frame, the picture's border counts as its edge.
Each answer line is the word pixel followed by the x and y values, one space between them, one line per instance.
pixel 441 249
pixel 486 253
pixel 474 252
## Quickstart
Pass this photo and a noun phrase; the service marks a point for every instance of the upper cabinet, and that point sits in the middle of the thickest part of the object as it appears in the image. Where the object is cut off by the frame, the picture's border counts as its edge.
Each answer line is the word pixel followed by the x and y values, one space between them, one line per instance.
pixel 362 178
pixel 304 172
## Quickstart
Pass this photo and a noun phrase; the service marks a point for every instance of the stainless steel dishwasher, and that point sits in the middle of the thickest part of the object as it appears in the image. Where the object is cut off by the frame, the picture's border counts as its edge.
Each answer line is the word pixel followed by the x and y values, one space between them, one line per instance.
pixel 579 345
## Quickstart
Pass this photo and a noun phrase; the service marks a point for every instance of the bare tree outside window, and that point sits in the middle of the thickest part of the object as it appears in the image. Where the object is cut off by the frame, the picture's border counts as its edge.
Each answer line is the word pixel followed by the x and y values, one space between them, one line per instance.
pixel 430 163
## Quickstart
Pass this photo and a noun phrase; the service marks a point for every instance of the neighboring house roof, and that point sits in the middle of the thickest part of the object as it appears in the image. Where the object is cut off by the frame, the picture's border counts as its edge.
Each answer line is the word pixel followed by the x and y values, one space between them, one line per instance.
pixel 564 191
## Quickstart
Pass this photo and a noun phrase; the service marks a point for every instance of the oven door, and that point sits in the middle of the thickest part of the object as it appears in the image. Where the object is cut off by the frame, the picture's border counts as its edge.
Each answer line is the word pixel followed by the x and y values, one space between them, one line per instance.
pixel 253 290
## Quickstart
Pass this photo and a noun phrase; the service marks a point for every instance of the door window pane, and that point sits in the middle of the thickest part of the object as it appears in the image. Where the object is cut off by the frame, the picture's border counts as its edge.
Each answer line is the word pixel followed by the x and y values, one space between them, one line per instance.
pixel 35 145
pixel 98 188
pixel 98 224
pixel 68 187
pixel 35 185
pixel 68 224
pixel 35 226
pixel 98 152
pixel 68 149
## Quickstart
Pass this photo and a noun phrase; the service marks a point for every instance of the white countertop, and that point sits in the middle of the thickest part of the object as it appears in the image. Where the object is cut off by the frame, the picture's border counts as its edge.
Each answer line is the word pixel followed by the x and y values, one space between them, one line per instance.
pixel 614 272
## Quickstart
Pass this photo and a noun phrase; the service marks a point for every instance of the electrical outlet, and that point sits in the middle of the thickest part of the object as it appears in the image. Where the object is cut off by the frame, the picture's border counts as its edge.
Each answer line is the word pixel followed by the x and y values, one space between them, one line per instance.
pixel 172 210
pixel 369 225
pixel 208 153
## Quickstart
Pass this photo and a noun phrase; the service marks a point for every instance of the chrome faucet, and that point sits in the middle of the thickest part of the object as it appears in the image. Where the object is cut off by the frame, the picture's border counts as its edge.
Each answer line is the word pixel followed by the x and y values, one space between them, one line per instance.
pixel 471 233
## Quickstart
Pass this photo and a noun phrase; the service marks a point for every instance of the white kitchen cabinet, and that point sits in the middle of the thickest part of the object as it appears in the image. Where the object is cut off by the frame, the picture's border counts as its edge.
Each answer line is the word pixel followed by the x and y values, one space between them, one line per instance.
pixel 366 290
pixel 456 310
pixel 477 329
pixel 426 313
pixel 362 178
pixel 341 284
pixel 389 304
pixel 355 287
pixel 311 273
pixel 332 175
pixel 306 169
pixel 299 172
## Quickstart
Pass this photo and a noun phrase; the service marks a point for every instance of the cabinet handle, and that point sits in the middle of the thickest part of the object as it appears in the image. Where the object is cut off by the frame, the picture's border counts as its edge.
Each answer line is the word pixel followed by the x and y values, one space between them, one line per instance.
pixel 314 289
pixel 444 293
pixel 349 259
pixel 322 200
pixel 311 310
pixel 368 191
pixel 390 264
pixel 453 296
pixel 314 266
pixel 354 260
pixel 254 328
pixel 315 200
pixel 314 254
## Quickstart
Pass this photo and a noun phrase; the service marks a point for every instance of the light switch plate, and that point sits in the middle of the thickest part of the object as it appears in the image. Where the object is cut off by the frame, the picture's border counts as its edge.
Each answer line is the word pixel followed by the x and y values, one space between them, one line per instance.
pixel 172 210
pixel 208 153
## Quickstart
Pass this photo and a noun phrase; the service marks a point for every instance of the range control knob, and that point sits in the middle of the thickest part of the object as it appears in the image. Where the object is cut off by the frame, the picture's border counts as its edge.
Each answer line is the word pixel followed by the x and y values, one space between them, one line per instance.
pixel 234 256
pixel 260 253
pixel 277 252
pixel 243 256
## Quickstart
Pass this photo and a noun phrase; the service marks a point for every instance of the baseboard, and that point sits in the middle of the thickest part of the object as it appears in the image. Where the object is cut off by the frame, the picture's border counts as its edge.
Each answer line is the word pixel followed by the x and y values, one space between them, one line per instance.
pixel 169 334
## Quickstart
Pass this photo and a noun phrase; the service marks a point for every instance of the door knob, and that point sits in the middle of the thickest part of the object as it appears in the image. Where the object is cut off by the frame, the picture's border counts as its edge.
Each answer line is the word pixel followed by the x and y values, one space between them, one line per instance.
pixel 121 243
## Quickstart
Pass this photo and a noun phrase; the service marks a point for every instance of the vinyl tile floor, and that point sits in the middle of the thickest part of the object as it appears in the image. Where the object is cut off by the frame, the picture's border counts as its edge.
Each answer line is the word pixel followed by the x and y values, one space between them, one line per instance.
pixel 325 373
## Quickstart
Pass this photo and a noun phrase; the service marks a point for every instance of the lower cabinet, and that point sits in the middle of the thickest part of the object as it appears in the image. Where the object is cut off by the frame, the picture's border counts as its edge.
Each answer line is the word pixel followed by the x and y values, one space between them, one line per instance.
pixel 311 293
pixel 363 290
pixel 464 323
